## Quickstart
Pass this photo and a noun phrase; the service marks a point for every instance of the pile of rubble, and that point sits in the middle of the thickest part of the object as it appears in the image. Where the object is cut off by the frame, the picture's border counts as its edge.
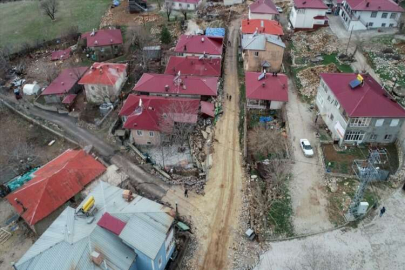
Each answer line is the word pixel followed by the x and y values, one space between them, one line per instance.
pixel 198 141
pixel 310 44
pixel 310 79
pixel 192 183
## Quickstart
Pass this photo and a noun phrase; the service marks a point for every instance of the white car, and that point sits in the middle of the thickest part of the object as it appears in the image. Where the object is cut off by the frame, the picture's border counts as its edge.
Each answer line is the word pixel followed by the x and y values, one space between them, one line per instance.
pixel 306 148
pixel 279 9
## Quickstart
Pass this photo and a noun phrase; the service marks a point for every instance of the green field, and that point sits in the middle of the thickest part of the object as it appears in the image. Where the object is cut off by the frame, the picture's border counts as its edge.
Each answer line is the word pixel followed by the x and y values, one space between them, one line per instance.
pixel 24 21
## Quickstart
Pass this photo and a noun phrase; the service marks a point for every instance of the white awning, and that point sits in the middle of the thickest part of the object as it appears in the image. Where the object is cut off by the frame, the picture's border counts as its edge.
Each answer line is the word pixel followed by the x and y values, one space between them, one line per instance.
pixel 339 129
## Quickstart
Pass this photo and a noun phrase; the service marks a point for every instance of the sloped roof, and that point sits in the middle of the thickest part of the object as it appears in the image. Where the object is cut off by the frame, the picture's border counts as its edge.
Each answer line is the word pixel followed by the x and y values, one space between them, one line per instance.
pixel 199 44
pixel 69 241
pixel 374 5
pixel 273 88
pixel 54 184
pixel 61 54
pixel 65 81
pixel 310 4
pixel 270 27
pixel 188 85
pixel 258 42
pixel 194 66
pixel 69 99
pixel 263 6
pixel 104 73
pixel 369 100
pixel 215 32
pixel 153 107
pixel 208 108
pixel 103 37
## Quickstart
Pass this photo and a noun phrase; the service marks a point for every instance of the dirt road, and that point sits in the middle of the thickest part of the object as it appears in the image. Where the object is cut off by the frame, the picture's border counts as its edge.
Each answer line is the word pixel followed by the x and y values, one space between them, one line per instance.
pixel 215 215
pixel 308 200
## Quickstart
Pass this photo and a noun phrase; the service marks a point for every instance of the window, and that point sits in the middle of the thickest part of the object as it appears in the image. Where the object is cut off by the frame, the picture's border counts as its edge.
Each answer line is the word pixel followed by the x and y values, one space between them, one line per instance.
pixel 370 24
pixel 388 137
pixel 391 25
pixel 160 262
pixel 188 5
pixel 328 98
pixel 354 136
pixel 360 122
pixel 325 88
pixel 331 117
pixel 151 134
pixel 373 137
pixel 384 15
pixel 301 11
pixel 383 25
pixel 139 132
pixel 256 54
pixel 394 122
pixel 374 14
pixel 393 16
pixel 92 87
pixel 320 100
pixel 337 104
pixel 379 122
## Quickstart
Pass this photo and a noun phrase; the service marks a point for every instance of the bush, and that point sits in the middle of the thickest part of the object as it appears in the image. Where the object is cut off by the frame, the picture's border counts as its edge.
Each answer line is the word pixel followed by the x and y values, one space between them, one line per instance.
pixel 165 36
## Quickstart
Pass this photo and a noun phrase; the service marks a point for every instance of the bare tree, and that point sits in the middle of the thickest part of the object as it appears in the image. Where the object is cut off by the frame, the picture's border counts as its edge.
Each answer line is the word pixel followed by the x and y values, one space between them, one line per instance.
pixel 50 7
pixel 184 11
pixel 138 37
pixel 168 9
pixel 43 71
pixel 20 158
pixel 264 142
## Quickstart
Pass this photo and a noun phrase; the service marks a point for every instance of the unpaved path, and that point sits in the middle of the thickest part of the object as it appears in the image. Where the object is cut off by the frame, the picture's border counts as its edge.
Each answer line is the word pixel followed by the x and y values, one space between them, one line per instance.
pixel 215 215
pixel 306 187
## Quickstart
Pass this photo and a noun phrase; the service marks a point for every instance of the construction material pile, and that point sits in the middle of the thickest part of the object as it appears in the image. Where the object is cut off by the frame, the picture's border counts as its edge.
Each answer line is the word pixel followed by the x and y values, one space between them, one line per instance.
pixel 310 79
pixel 311 44
pixel 191 183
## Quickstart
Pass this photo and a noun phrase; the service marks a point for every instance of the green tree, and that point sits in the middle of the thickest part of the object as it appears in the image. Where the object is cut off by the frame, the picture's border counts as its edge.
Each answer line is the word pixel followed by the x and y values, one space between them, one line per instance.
pixel 165 36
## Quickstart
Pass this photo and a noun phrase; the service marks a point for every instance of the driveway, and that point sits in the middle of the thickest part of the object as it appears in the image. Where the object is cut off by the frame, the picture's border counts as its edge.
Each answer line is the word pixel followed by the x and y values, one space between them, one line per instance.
pixel 377 243
pixel 307 184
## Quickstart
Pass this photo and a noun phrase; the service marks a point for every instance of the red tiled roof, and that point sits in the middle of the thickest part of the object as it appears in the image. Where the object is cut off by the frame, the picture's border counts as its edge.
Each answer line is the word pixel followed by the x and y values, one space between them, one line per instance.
pixel 182 109
pixel 199 44
pixel 111 223
pixel 270 27
pixel 310 4
pixel 368 100
pixel 189 85
pixel 275 87
pixel 208 108
pixel 54 184
pixel 61 54
pixel 65 81
pixel 103 37
pixel 263 6
pixel 374 5
pixel 104 73
pixel 69 99
pixel 194 66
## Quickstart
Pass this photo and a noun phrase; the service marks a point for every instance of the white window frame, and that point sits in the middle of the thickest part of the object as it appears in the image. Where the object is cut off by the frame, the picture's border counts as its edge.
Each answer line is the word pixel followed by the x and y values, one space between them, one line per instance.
pixel 374 14
pixel 160 262
pixel 256 54
pixel 370 24
pixel 320 99
pixel 383 24
pixel 331 117
pixel 391 25
pixel 354 136
pixel 360 122
pixel 151 134
pixel 394 122
pixel 379 122
pixel 337 105
pixel 384 15
pixel 139 133
pixel 393 16
pixel 387 137
pixel 329 98
pixel 373 137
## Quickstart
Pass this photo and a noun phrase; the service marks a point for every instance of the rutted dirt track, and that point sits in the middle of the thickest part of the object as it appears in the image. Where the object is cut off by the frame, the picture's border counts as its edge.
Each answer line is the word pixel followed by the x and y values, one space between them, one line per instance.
pixel 215 215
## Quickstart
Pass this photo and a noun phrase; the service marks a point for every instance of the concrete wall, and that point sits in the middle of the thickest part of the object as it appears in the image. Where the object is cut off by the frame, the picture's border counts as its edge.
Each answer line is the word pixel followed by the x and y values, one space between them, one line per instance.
pixel 276 105
pixel 304 18
pixel 96 93
pixel 145 138
pixel 261 16
pixel 272 54
pixel 380 131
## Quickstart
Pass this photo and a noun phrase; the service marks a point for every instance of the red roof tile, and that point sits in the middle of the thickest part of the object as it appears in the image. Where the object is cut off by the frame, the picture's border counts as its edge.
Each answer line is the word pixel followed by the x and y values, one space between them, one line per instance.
pixel 208 108
pixel 262 26
pixel 54 184
pixel 65 81
pixel 189 85
pixel 275 87
pixel 104 73
pixel 69 99
pixel 194 66
pixel 309 4
pixel 153 107
pixel 61 54
pixel 263 6
pixel 368 100
pixel 199 44
pixel 103 37
pixel 111 223
pixel 374 5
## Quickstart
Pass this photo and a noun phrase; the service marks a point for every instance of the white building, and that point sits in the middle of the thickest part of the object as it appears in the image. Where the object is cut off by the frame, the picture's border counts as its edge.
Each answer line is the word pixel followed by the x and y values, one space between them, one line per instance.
pixel 368 14
pixel 232 2
pixel 183 4
pixel 263 9
pixel 308 14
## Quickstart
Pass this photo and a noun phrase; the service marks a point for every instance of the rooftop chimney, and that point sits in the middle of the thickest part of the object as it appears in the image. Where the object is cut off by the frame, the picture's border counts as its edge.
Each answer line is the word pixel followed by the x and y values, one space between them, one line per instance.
pixel 111 40
pixel 185 48
pixel 202 39
pixel 62 83
pixel 96 42
pixel 283 85
pixel 263 84
pixel 367 4
pixel 97 258
pixel 304 2
pixel 166 87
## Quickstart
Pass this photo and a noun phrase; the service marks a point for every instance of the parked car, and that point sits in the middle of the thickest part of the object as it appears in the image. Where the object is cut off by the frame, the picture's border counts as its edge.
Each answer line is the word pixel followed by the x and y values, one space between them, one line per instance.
pixel 306 148
pixel 279 9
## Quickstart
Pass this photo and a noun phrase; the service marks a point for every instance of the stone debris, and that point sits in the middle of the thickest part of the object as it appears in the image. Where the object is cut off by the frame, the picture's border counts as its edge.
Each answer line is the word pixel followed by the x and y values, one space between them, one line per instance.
pixel 310 79
pixel 192 183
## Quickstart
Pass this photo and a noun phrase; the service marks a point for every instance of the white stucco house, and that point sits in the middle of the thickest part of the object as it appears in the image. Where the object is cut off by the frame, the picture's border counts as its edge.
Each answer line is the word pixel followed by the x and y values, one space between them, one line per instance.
pixel 263 9
pixel 308 14
pixel 183 4
pixel 232 2
pixel 368 14
pixel 104 81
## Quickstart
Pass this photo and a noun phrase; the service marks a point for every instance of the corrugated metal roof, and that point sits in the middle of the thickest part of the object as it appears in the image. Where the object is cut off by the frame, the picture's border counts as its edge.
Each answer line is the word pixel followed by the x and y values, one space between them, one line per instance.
pixel 258 41
pixel 68 242
pixel 215 32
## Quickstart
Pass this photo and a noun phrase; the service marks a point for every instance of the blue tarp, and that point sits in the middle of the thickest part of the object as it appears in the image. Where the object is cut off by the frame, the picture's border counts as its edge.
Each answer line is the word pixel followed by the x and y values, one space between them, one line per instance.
pixel 20 180
pixel 215 32
pixel 264 119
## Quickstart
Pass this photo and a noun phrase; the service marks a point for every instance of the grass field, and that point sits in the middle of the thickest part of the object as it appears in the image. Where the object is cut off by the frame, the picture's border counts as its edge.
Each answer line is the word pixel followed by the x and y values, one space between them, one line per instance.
pixel 24 21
